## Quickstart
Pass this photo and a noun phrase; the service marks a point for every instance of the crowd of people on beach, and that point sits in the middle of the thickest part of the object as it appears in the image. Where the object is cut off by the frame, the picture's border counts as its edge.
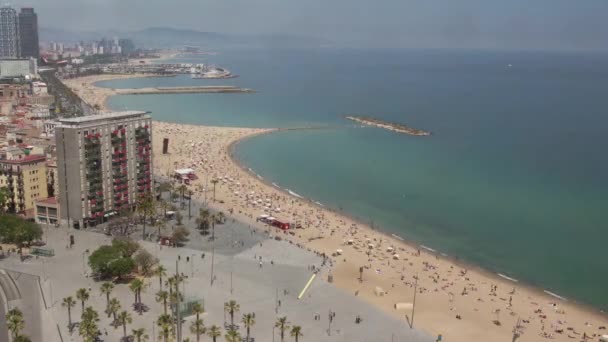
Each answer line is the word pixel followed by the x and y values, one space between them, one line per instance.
pixel 495 305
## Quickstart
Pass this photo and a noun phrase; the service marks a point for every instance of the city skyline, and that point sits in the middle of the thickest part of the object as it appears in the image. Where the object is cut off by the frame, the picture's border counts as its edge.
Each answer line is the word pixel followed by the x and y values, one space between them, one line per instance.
pixel 543 24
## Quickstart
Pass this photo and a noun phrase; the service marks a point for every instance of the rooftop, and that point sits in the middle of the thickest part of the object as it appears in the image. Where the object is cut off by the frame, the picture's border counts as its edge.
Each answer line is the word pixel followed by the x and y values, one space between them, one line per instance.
pixel 50 200
pixel 24 160
pixel 102 117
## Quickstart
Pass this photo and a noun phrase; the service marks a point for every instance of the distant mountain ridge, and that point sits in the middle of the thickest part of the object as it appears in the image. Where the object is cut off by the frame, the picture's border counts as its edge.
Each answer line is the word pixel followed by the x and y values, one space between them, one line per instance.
pixel 167 37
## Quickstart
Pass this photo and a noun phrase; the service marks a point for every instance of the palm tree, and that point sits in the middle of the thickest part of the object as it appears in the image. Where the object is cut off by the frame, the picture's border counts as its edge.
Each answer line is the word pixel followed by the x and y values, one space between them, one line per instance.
pixel 283 325
pixel 197 328
pixel 146 209
pixel 124 318
pixel 171 282
pixel 82 295
pixel 162 296
pixel 182 190
pixel 88 326
pixel 296 332
pixel 22 338
pixel 106 288
pixel 214 332
pixel 69 302
pixel 231 308
pixel 160 224
pixel 160 272
pixel 15 322
pixel 113 308
pixel 90 314
pixel 214 181
pixel 165 323
pixel 232 335
pixel 136 286
pixel 248 321
pixel 140 334
pixel 198 309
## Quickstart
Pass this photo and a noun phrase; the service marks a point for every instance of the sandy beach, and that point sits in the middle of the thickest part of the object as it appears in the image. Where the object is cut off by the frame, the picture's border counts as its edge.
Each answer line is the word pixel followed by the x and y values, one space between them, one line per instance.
pixel 460 302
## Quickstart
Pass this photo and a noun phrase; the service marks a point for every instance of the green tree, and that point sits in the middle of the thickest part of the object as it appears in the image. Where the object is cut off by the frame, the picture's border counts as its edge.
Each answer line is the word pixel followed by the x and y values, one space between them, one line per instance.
pixel 22 338
pixel 126 247
pixel 124 318
pixel 88 328
pixel 197 328
pixel 113 308
pixel 231 308
pixel 165 323
pixel 198 309
pixel 100 260
pixel 146 209
pixel 14 322
pixel 232 335
pixel 106 289
pixel 4 194
pixel 121 267
pixel 214 332
pixel 82 295
pixel 136 286
pixel 248 321
pixel 160 272
pixel 283 325
pixel 140 334
pixel 296 332
pixel 16 230
pixel 162 297
pixel 69 302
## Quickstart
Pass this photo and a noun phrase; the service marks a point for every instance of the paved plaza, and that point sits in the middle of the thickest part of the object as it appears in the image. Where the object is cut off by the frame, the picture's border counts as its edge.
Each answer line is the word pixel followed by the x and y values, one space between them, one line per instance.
pixel 269 290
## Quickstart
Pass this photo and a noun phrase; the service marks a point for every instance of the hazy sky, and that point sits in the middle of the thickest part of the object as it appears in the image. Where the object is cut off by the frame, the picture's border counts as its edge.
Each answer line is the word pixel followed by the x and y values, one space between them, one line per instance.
pixel 511 24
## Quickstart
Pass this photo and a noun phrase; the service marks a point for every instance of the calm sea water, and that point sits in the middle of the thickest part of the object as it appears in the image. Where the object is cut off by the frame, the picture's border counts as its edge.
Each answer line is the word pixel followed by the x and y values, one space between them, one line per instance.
pixel 514 178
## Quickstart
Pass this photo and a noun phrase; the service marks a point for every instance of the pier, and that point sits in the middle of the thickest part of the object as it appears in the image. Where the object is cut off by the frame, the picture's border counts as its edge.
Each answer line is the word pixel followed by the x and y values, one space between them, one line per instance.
pixel 183 90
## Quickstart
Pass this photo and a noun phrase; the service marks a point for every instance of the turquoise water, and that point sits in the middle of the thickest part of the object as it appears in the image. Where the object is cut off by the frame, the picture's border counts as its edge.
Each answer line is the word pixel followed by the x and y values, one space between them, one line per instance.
pixel 513 179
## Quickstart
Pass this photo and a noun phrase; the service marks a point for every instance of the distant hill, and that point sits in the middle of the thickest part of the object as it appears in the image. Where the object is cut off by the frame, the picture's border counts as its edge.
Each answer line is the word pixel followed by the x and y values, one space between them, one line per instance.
pixel 166 37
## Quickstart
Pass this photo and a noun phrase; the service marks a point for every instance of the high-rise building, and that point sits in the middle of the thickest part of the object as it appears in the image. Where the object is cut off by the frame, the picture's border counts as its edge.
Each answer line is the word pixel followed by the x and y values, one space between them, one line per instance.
pixel 104 165
pixel 126 46
pixel 25 179
pixel 28 33
pixel 9 33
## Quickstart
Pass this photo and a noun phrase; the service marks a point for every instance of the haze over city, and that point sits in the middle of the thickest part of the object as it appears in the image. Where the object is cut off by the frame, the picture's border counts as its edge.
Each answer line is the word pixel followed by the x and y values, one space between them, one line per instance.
pixel 315 171
pixel 516 24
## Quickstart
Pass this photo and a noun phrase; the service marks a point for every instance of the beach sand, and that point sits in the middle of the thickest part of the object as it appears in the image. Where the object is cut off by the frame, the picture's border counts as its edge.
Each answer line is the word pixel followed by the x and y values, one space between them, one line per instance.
pixel 455 300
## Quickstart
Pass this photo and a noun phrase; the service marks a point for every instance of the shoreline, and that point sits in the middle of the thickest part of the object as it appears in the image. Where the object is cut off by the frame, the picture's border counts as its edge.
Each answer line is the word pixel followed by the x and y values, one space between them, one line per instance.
pixel 456 260
pixel 434 321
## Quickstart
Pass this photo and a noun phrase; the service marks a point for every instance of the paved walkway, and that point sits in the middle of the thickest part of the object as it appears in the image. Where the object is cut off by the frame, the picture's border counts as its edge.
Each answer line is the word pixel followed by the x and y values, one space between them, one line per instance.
pixel 236 257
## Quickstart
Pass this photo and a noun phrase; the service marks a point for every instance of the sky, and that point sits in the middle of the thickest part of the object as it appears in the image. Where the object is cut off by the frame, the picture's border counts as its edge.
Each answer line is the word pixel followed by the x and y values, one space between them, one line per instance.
pixel 484 24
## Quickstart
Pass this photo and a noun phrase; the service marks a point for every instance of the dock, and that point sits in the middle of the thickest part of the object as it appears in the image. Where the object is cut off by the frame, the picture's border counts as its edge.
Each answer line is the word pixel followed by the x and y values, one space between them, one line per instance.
pixel 183 90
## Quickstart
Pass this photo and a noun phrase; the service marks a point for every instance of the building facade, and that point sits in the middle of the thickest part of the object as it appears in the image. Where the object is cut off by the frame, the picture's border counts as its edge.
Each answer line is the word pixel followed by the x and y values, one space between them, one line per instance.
pixel 14 68
pixel 25 180
pixel 104 165
pixel 47 211
pixel 9 33
pixel 28 33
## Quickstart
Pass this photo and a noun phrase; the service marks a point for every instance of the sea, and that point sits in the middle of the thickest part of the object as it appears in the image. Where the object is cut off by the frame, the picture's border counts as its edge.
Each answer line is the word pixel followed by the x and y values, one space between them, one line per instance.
pixel 514 178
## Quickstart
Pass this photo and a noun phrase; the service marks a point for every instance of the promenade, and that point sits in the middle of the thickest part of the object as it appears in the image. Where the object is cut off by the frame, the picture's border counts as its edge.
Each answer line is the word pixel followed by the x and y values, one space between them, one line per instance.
pixel 269 290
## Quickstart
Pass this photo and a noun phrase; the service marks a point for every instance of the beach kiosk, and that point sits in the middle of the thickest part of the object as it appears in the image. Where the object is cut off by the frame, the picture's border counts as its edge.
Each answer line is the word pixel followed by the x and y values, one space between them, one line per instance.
pixel 185 175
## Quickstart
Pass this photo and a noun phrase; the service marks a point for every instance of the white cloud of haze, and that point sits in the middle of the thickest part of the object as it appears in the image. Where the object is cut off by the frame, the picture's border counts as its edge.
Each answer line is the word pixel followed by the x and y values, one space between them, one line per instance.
pixel 513 24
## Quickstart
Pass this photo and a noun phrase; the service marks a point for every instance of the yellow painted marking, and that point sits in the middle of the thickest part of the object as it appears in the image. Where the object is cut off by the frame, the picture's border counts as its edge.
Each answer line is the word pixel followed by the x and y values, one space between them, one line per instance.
pixel 307 286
